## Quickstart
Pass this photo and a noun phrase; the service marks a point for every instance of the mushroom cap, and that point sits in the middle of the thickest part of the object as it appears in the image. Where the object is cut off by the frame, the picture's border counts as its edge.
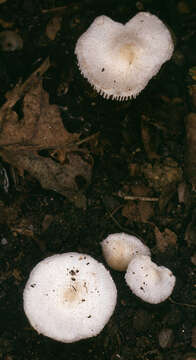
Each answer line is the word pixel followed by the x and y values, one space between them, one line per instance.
pixel 148 281
pixel 69 297
pixel 119 60
pixel 118 250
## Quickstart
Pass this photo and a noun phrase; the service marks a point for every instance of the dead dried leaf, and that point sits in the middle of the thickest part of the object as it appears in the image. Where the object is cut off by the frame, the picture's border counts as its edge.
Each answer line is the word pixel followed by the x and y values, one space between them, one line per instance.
pixel 192 93
pixel 190 159
pixel 59 155
pixel 165 239
pixel 47 221
pixel 134 169
pixel 23 227
pixel 131 212
pixel 17 275
pixel 52 175
pixel 190 234
pixel 141 190
pixel 21 89
pixel 3 23
pixel 53 27
pixel 149 145
pixel 193 342
pixel 192 73
pixel 9 214
pixel 40 128
pixel 139 210
pixel 160 175
pixel 166 196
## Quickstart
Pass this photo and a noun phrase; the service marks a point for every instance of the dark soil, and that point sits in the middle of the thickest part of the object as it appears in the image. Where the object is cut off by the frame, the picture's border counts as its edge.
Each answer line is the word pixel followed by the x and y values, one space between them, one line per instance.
pixel 35 223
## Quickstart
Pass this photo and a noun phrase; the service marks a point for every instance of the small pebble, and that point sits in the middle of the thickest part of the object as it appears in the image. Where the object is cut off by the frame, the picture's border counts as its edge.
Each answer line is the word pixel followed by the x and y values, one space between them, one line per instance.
pixel 139 5
pixel 4 241
pixel 10 41
pixel 166 338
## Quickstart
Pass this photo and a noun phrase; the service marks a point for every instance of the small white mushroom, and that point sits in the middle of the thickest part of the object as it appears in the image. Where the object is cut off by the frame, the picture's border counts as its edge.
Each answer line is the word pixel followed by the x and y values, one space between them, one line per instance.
pixel 69 297
pixel 119 249
pixel 119 60
pixel 148 281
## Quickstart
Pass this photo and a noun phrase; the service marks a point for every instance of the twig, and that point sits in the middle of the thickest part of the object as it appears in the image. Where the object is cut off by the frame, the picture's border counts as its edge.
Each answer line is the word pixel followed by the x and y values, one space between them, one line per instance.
pixel 56 9
pixel 124 229
pixel 88 138
pixel 181 304
pixel 115 221
pixel 150 352
pixel 140 198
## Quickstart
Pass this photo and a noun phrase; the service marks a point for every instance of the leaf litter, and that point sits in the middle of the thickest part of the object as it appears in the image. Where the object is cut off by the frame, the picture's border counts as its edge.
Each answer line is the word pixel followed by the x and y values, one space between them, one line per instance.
pixel 41 129
pixel 141 176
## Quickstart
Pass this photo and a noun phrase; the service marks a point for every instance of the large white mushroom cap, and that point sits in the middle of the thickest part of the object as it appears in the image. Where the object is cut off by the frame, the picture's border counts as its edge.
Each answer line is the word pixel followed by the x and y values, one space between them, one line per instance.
pixel 119 60
pixel 148 281
pixel 119 249
pixel 69 297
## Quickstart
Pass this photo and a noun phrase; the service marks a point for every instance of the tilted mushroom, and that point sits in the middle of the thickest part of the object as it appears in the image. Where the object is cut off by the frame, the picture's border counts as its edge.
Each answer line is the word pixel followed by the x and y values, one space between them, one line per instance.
pixel 120 248
pixel 119 60
pixel 148 281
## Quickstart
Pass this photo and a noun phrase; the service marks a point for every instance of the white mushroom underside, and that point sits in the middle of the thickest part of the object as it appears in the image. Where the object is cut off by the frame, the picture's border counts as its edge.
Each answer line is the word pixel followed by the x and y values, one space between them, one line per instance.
pixel 119 60
pixel 69 297
pixel 150 282
pixel 118 250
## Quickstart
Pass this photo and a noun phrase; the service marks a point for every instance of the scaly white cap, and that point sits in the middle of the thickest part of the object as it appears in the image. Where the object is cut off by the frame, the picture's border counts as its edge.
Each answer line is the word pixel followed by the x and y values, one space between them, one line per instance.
pixel 119 60
pixel 148 281
pixel 69 297
pixel 119 249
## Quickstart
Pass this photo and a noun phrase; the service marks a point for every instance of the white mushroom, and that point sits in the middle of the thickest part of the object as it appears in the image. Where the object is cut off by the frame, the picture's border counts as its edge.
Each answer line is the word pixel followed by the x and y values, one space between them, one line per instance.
pixel 69 297
pixel 148 281
pixel 118 250
pixel 119 60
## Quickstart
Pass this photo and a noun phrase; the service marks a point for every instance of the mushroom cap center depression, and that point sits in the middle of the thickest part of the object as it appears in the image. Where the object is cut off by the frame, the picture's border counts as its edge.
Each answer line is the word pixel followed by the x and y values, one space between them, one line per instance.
pixel 71 293
pixel 128 52
pixel 69 297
